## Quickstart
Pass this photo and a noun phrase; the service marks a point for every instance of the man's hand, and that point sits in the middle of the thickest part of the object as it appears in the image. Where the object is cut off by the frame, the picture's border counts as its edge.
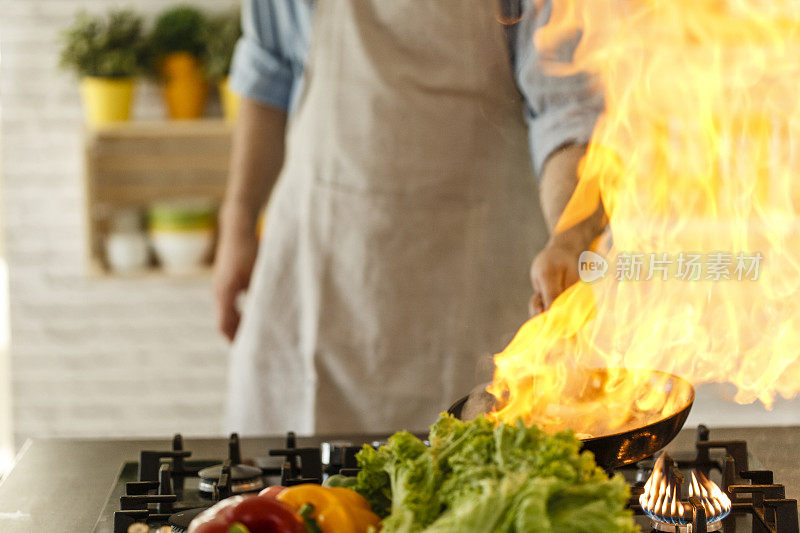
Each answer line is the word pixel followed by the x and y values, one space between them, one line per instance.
pixel 236 254
pixel 552 272
pixel 556 267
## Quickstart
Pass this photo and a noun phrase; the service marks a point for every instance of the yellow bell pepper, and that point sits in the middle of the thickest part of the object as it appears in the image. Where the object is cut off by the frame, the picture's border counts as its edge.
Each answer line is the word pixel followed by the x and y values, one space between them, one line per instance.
pixel 334 509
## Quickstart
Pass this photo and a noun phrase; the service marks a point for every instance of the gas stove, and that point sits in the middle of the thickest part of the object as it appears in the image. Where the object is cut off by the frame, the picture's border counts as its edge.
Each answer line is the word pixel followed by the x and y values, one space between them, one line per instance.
pixel 165 489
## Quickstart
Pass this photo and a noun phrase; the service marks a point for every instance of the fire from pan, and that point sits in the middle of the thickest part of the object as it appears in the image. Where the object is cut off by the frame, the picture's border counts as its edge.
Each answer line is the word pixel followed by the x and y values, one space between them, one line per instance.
pixel 640 437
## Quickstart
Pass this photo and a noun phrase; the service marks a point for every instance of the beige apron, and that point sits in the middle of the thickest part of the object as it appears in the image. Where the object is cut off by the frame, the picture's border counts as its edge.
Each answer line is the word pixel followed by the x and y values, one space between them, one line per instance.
pixel 399 236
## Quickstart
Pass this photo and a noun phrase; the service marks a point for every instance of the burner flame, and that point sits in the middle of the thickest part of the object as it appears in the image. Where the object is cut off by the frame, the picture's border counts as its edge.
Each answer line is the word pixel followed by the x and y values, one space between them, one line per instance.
pixel 661 496
pixel 715 502
pixel 662 502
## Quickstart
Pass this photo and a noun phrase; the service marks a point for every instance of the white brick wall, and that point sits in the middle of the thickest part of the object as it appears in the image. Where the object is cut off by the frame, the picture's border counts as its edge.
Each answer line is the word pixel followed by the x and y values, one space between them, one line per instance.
pixel 96 357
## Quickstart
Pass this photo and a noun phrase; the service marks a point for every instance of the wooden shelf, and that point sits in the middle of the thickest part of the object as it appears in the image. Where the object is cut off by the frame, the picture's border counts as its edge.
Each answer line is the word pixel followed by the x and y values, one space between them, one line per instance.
pixel 152 273
pixel 133 164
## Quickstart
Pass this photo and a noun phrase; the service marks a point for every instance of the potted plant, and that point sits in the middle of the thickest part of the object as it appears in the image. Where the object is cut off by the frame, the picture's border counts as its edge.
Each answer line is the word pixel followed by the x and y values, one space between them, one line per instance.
pixel 107 52
pixel 178 48
pixel 222 32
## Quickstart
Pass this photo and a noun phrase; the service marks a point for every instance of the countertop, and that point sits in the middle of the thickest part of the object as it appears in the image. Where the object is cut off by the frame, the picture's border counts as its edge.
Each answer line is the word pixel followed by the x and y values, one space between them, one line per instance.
pixel 60 485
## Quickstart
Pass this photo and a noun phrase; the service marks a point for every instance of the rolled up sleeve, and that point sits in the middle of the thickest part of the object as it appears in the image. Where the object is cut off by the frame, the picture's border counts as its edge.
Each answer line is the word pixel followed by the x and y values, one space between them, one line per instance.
pixel 261 69
pixel 560 110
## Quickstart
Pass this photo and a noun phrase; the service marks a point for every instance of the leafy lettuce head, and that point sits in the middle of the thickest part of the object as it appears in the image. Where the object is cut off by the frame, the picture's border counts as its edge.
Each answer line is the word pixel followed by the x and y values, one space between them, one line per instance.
pixel 486 477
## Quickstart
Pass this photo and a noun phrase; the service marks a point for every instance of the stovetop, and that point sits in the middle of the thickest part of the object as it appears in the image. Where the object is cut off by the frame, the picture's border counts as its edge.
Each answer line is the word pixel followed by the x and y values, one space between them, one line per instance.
pixel 759 505
pixel 169 485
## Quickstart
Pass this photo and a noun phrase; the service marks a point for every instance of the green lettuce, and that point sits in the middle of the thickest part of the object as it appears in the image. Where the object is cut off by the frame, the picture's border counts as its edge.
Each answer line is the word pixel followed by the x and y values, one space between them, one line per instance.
pixel 480 476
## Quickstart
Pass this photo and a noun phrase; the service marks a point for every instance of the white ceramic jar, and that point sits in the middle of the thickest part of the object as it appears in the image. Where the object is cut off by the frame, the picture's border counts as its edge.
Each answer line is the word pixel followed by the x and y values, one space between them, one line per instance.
pixel 127 252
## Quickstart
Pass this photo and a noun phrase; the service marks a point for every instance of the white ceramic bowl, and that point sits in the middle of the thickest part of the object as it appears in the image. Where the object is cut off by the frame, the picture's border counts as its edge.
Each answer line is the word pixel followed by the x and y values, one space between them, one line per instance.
pixel 182 252
pixel 127 252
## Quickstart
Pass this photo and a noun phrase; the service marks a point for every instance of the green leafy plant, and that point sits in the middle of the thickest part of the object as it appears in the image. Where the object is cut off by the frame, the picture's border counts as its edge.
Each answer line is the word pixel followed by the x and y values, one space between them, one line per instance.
pixel 497 478
pixel 106 46
pixel 220 35
pixel 178 29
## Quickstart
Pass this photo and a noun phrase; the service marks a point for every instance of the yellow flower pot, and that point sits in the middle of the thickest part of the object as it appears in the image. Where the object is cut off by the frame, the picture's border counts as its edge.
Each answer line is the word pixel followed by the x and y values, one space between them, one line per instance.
pixel 230 101
pixel 107 100
pixel 185 86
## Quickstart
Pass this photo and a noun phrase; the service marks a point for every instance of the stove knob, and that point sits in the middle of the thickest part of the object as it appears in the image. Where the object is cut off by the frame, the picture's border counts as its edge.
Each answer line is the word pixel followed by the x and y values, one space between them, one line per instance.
pixel 331 451
pixel 337 455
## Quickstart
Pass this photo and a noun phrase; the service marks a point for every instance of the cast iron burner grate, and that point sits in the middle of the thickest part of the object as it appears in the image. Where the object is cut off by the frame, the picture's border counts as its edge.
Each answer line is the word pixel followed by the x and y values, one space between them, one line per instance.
pixel 752 492
pixel 160 499
pixel 165 496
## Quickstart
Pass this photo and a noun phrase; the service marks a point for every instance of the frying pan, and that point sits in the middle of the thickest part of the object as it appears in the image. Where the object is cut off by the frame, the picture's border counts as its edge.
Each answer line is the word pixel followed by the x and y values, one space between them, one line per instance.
pixel 626 447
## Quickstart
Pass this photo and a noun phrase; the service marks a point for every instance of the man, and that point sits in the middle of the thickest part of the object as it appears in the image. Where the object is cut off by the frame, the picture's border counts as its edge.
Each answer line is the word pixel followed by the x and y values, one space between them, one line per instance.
pixel 404 212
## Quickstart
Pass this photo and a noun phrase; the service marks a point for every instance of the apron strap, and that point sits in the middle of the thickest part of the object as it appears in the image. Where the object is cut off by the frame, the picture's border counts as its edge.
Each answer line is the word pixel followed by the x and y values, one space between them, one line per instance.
pixel 511 12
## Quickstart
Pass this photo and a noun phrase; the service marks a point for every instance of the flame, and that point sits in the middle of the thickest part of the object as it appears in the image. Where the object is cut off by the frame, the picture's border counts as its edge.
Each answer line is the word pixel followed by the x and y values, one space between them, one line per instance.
pixel 694 156
pixel 715 502
pixel 662 502
pixel 660 499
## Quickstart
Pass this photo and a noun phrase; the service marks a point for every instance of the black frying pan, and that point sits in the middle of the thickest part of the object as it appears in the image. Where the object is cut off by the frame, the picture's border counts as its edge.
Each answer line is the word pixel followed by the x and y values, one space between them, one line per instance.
pixel 618 449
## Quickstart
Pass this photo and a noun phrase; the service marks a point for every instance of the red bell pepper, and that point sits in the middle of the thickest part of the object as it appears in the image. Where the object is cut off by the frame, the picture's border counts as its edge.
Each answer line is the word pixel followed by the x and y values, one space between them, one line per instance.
pixel 273 491
pixel 258 514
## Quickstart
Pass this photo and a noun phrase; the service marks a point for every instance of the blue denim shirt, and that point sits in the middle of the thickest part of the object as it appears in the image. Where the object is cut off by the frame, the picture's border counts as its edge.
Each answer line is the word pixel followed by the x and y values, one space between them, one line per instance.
pixel 270 57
